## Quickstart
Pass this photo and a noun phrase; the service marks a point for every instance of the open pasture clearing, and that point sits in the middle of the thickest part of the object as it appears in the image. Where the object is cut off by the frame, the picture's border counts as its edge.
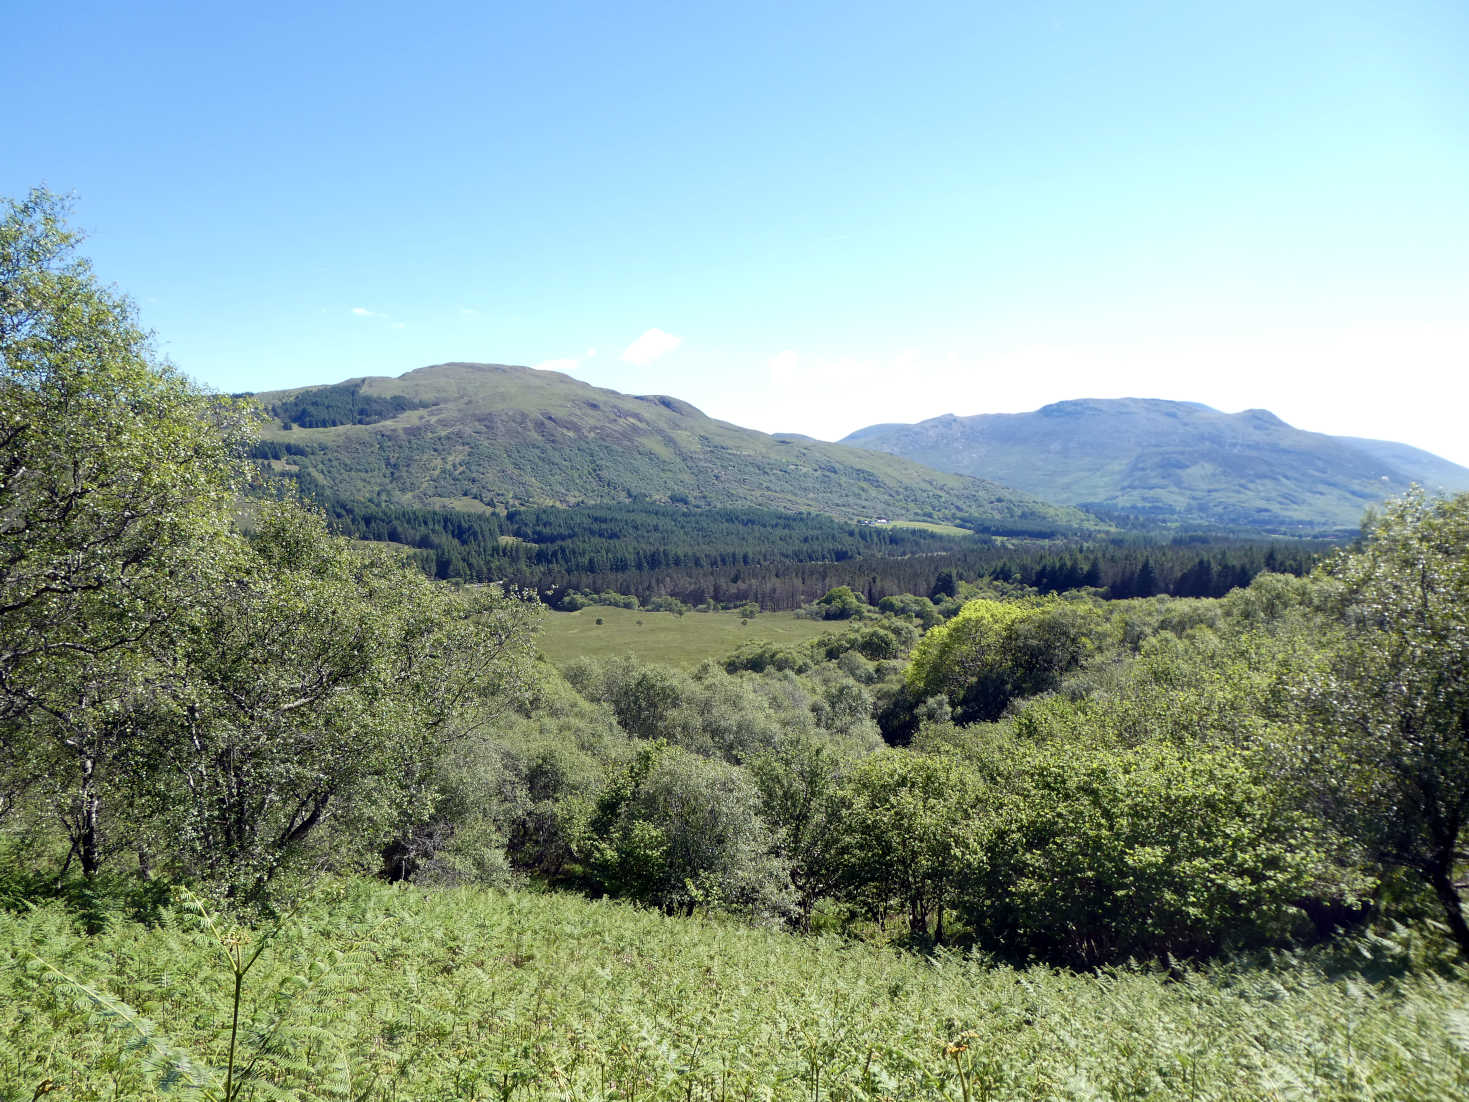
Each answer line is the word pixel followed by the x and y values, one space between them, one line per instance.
pixel 666 637
pixel 925 526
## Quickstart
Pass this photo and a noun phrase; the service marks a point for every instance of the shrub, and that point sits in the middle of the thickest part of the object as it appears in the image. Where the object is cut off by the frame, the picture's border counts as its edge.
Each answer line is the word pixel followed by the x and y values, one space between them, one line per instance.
pixel 1098 854
pixel 679 831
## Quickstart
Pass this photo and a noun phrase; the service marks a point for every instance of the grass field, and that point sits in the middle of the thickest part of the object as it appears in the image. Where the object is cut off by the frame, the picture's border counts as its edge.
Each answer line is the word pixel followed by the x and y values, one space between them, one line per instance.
pixel 398 994
pixel 927 526
pixel 664 637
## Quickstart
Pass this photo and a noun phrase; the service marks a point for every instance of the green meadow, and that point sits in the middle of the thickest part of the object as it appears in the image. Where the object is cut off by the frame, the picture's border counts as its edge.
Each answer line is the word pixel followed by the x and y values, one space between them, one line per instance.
pixel 665 637
pixel 926 526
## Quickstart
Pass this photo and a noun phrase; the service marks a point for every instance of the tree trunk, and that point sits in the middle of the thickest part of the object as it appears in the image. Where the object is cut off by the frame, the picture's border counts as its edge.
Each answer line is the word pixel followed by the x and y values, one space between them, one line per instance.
pixel 918 916
pixel 1442 881
pixel 89 808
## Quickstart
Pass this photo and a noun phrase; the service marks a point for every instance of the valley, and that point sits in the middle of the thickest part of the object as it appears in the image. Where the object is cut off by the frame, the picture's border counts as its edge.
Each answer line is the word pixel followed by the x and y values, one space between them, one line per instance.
pixel 483 734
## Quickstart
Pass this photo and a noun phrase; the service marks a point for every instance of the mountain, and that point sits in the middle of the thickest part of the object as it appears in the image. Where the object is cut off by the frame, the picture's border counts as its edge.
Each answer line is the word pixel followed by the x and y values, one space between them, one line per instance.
pixel 1173 461
pixel 1424 468
pixel 476 436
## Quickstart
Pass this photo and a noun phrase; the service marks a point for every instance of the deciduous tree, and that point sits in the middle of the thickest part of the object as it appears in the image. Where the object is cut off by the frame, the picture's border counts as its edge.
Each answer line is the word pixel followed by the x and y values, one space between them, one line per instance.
pixel 318 686
pixel 995 651
pixel 116 476
pixel 1390 753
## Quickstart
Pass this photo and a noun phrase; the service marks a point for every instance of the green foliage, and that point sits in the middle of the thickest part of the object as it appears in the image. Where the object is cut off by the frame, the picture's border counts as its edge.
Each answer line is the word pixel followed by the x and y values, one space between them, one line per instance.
pixel 174 1067
pixel 759 657
pixel 797 781
pixel 1099 854
pixel 206 696
pixel 778 560
pixel 906 604
pixel 469 994
pixel 910 826
pixel 640 547
pixel 718 715
pixel 232 1066
pixel 1145 807
pixel 643 698
pixel 680 831
pixel 510 798
pixel 839 603
pixel 1389 755
pixel 993 652
pixel 316 687
pixel 116 478
pixel 113 469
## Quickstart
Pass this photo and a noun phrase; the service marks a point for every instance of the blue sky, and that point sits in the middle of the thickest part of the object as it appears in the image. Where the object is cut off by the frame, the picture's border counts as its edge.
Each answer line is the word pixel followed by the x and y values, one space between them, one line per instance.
pixel 800 217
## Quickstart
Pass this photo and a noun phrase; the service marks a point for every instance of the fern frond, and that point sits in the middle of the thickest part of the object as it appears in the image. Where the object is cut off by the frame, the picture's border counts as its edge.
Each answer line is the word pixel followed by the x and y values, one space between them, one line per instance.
pixel 174 1066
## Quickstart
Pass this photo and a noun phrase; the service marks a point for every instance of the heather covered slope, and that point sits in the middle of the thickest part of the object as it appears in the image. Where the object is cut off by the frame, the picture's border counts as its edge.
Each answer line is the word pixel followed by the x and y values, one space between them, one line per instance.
pixel 489 435
pixel 1177 461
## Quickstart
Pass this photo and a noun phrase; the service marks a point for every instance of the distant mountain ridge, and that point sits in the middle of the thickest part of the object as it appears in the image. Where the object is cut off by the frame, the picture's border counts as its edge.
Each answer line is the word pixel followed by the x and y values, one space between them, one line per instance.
pixel 475 436
pixel 1173 461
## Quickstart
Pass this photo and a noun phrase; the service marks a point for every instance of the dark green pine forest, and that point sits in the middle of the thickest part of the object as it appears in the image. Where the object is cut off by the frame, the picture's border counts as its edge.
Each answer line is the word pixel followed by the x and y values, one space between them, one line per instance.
pixel 1044 805
pixel 782 561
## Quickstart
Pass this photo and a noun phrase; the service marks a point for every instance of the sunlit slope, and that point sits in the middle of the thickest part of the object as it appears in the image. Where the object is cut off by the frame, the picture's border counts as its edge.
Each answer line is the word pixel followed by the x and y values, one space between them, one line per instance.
pixel 493 435
pixel 1173 461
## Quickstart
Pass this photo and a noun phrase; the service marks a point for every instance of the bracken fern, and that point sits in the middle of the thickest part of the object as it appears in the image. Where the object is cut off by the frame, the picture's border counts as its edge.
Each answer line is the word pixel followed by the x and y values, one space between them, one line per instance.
pixel 477 995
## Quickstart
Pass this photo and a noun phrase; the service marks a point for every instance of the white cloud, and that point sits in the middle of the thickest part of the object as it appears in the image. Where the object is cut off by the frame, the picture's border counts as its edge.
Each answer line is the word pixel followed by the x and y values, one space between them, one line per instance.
pixel 364 312
pixel 591 352
pixel 468 311
pixel 652 345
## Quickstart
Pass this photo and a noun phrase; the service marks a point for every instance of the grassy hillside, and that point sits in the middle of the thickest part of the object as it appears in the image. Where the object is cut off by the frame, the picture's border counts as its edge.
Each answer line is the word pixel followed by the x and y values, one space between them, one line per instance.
pixel 1422 467
pixel 665 637
pixel 398 994
pixel 1174 461
pixel 489 435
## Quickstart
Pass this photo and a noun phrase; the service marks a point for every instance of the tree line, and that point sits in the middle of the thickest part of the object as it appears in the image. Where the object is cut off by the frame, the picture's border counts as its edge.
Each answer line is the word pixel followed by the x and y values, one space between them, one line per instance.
pixel 782 561
pixel 340 404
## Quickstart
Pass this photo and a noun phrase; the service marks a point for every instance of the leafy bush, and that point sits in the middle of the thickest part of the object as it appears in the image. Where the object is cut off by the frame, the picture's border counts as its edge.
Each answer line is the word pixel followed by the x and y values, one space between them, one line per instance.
pixel 840 603
pixel 1100 854
pixel 994 652
pixel 680 831
pixel 909 830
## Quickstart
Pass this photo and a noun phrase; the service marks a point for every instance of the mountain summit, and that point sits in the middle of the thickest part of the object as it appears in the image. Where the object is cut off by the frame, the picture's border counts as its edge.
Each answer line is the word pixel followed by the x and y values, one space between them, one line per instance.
pixel 475 436
pixel 1172 461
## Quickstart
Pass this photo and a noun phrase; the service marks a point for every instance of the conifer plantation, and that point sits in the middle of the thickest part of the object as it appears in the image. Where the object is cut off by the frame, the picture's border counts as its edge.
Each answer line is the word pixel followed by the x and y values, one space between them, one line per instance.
pixel 291 806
